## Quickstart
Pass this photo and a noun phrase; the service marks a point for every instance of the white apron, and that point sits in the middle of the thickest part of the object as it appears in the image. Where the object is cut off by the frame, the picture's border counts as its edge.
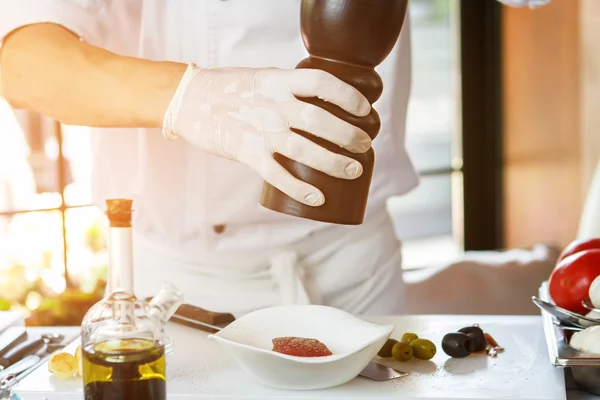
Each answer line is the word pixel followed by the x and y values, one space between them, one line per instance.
pixel 357 270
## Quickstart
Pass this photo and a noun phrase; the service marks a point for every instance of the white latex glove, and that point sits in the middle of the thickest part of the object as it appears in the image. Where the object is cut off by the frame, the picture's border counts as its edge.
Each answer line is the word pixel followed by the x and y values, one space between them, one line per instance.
pixel 246 114
pixel 522 3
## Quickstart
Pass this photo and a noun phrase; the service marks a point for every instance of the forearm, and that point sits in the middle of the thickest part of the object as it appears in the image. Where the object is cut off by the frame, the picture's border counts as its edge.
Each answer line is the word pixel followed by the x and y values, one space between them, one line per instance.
pixel 45 68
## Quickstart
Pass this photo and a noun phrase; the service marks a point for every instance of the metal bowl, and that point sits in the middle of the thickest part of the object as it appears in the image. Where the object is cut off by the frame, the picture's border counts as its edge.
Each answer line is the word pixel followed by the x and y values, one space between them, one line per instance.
pixel 587 303
pixel 584 368
pixel 588 378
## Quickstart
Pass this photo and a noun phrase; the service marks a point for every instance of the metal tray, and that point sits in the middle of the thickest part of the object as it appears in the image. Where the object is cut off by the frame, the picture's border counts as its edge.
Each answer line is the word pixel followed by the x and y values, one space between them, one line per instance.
pixel 584 368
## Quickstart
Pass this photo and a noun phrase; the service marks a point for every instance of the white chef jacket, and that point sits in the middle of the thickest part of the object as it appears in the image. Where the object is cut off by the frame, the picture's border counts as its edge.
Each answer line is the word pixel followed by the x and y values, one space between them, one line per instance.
pixel 181 193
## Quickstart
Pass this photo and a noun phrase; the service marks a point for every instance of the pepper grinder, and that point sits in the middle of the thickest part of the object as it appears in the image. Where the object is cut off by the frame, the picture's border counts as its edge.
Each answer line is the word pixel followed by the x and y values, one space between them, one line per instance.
pixel 347 38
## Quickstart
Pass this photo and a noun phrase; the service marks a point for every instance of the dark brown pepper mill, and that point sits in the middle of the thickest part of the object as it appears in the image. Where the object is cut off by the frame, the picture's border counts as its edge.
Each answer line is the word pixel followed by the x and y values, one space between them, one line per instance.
pixel 347 38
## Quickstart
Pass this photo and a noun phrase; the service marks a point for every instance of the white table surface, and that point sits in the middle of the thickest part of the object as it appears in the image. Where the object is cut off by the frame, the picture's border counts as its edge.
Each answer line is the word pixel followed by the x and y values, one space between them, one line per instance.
pixel 203 362
pixel 200 369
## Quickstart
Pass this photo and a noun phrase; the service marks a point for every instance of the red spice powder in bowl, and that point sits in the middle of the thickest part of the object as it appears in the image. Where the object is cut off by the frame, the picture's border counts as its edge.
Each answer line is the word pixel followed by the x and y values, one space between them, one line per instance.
pixel 300 347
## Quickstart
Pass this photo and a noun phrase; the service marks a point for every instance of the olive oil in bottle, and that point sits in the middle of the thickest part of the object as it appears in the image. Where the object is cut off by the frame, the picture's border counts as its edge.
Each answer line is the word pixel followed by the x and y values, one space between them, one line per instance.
pixel 125 369
pixel 122 337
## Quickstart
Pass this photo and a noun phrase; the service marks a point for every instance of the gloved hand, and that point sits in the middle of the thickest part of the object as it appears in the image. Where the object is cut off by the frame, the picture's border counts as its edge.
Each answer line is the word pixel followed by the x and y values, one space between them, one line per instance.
pixel 245 114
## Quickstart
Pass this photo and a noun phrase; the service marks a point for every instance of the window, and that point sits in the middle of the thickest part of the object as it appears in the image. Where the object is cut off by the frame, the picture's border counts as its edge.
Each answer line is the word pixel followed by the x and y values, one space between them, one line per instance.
pixel 46 223
pixel 454 132
pixel 429 217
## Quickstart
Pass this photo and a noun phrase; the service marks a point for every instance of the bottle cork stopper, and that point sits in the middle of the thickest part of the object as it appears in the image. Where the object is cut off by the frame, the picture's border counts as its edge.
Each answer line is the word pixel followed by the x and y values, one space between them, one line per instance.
pixel 119 212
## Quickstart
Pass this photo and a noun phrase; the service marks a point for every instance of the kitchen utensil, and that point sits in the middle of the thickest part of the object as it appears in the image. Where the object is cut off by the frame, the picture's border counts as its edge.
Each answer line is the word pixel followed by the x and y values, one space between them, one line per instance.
pixel 584 368
pixel 587 303
pixel 20 366
pixel 564 316
pixel 50 348
pixel 566 327
pixel 378 372
pixel 212 322
pixel 196 317
pixel 12 337
pixel 29 347
pixel 353 342
pixel 11 376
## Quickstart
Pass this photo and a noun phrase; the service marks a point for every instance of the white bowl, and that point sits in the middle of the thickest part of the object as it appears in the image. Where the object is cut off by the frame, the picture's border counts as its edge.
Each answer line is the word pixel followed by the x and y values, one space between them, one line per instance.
pixel 352 341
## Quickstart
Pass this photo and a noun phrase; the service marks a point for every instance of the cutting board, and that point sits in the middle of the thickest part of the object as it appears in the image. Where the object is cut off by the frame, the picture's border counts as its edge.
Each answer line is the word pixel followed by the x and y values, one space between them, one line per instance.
pixel 200 369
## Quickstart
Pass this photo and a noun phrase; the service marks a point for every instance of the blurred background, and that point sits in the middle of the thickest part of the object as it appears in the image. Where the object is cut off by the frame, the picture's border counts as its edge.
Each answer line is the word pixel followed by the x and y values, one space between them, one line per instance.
pixel 501 126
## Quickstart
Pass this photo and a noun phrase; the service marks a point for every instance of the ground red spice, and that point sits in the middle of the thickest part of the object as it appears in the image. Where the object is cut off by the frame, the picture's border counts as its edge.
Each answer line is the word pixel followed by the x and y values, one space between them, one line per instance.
pixel 300 347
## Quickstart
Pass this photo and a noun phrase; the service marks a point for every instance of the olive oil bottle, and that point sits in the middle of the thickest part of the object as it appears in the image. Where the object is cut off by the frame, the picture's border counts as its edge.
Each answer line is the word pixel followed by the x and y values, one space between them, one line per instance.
pixel 122 337
pixel 125 369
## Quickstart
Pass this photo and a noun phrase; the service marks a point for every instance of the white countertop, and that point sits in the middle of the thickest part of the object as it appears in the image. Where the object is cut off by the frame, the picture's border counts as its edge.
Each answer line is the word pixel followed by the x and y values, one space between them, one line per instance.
pixel 199 369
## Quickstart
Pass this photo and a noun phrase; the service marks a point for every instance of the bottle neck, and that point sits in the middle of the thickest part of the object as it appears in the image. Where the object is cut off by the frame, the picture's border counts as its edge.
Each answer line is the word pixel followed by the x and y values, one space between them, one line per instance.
pixel 120 263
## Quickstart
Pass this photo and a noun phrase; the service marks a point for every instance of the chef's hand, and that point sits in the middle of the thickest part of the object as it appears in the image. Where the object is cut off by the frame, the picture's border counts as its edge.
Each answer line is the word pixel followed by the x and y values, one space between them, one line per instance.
pixel 247 114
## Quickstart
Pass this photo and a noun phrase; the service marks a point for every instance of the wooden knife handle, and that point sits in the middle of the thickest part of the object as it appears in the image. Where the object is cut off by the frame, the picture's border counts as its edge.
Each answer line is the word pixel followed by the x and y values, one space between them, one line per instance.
pixel 189 311
pixel 199 314
pixel 21 351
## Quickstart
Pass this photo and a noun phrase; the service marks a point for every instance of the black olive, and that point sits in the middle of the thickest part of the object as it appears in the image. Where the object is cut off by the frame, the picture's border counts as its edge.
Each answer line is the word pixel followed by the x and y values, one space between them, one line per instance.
pixel 477 338
pixel 456 344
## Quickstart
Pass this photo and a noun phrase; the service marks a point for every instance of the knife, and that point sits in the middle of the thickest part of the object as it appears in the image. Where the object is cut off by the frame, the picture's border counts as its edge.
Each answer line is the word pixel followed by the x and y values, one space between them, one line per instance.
pixel 22 350
pixel 30 347
pixel 12 337
pixel 199 318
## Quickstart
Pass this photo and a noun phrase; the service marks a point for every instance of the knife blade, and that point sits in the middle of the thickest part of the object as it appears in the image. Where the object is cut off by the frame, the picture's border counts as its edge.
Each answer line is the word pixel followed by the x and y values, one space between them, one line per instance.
pixel 378 372
pixel 190 322
pixel 12 337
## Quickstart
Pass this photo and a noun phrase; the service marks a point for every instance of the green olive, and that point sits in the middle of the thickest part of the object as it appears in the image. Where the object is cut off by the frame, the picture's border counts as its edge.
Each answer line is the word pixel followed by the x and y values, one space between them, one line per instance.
pixel 423 349
pixel 402 351
pixel 409 337
pixel 386 350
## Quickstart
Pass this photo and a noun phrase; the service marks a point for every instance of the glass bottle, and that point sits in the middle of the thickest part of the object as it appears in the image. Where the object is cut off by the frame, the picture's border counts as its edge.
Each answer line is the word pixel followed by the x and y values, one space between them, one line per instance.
pixel 123 339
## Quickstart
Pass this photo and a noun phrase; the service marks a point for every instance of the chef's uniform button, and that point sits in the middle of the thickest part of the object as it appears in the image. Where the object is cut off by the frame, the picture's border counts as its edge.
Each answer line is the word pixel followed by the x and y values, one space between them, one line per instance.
pixel 218 229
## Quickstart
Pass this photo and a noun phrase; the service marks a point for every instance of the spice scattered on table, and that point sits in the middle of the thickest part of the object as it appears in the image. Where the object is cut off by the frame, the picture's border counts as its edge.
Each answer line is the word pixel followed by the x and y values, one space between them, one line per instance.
pixel 492 348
